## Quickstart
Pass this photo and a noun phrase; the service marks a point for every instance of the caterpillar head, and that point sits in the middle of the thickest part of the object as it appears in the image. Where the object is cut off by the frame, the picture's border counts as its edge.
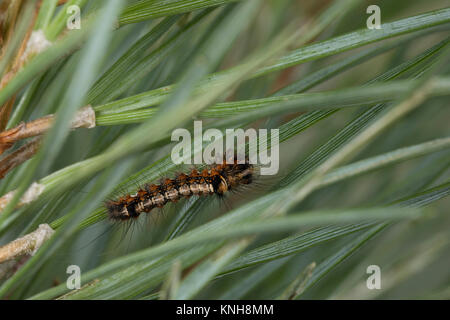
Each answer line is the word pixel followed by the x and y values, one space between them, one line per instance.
pixel 118 211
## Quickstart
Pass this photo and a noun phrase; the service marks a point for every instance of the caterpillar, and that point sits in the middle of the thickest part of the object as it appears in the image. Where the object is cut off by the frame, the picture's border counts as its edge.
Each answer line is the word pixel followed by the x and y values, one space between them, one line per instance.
pixel 217 180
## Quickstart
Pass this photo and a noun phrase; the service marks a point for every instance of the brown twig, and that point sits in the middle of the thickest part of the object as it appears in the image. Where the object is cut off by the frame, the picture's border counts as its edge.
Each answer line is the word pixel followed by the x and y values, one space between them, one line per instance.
pixel 19 156
pixel 23 131
pixel 26 245
pixel 85 118
pixel 23 247
pixel 33 192
pixel 22 56
pixel 9 11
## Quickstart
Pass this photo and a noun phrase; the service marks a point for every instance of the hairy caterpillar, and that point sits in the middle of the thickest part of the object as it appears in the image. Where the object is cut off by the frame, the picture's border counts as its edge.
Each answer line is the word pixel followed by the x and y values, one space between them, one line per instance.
pixel 217 180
